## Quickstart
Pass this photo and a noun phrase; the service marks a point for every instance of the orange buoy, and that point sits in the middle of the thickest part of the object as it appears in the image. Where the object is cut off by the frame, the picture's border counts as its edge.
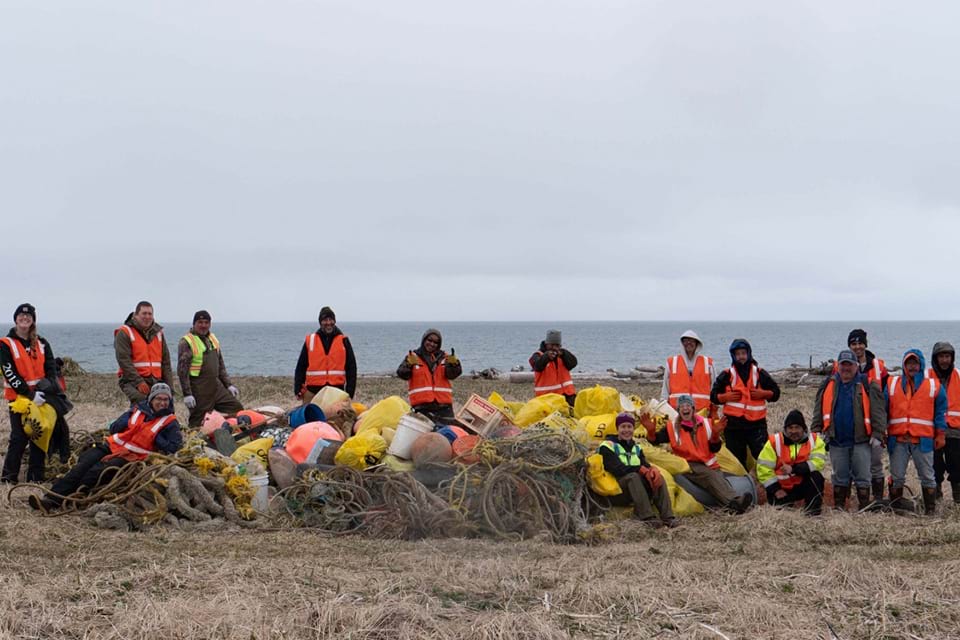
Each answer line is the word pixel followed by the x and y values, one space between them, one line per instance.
pixel 463 449
pixel 430 448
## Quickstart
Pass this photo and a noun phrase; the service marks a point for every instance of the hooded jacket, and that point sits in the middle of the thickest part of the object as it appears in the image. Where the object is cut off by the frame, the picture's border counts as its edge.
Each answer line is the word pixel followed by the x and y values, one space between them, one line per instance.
pixel 939 405
pixel 404 371
pixel 690 362
pixel 743 371
pixel 300 374
pixel 124 354
pixel 947 379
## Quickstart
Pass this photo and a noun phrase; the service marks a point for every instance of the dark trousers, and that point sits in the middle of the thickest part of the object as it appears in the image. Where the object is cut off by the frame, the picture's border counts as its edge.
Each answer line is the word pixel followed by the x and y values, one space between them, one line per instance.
pixel 638 493
pixel 439 413
pixel 90 470
pixel 947 461
pixel 810 490
pixel 19 442
pixel 739 440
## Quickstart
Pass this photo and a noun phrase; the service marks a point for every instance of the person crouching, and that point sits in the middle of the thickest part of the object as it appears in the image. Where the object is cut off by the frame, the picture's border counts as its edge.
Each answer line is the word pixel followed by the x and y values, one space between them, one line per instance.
pixel 790 465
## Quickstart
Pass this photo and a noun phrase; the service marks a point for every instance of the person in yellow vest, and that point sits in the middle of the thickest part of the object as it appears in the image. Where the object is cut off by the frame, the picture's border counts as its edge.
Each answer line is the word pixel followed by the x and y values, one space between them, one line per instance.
pixel 142 356
pixel 946 459
pixel 429 371
pixel 690 373
pixel 326 360
pixel 551 365
pixel 790 465
pixel 641 483
pixel 204 381
pixel 916 423
pixel 150 426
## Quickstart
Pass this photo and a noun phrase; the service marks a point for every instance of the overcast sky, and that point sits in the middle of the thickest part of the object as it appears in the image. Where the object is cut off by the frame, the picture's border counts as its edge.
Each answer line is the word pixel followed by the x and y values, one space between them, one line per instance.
pixel 438 160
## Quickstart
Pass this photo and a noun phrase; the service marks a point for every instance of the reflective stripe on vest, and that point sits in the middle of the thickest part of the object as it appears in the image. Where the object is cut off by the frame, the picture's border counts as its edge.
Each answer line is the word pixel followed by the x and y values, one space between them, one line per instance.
pixel 424 387
pixel 136 441
pixel 785 455
pixel 29 366
pixel 325 368
pixel 629 458
pixel 693 447
pixel 749 409
pixel 555 378
pixel 682 383
pixel 826 406
pixel 911 413
pixel 953 397
pixel 147 356
pixel 198 347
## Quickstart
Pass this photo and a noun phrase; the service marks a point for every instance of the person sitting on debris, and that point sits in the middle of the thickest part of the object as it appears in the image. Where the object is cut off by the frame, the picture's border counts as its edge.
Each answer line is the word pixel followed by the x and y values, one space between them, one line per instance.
pixel 744 390
pixel 689 373
pixel 429 371
pixel 790 465
pixel 851 414
pixel 150 426
pixel 326 360
pixel 204 381
pixel 623 459
pixel 694 438
pixel 551 365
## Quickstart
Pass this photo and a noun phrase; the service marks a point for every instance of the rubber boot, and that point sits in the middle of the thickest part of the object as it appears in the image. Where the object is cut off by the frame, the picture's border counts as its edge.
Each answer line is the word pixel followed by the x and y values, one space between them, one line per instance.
pixel 896 499
pixel 929 501
pixel 955 488
pixel 863 498
pixel 840 495
pixel 877 485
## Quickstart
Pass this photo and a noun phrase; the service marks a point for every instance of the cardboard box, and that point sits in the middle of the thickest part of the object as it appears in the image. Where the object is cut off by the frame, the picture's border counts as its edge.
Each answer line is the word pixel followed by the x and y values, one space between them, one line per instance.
pixel 480 416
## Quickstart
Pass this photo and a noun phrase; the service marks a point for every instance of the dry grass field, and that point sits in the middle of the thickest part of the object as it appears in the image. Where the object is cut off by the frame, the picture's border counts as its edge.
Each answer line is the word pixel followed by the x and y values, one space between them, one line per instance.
pixel 768 574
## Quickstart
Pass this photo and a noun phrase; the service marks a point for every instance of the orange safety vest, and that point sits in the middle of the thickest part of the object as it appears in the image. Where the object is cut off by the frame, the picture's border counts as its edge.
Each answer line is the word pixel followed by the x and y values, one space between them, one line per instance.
pixel 953 397
pixel 555 378
pixel 693 447
pixel 746 407
pixel 912 413
pixel 874 374
pixel 29 365
pixel 326 368
pixel 147 356
pixel 136 441
pixel 683 383
pixel 826 406
pixel 425 387
pixel 785 455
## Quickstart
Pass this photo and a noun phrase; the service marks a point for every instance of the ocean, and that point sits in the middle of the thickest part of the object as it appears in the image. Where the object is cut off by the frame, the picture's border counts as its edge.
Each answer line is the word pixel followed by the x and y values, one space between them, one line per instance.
pixel 273 348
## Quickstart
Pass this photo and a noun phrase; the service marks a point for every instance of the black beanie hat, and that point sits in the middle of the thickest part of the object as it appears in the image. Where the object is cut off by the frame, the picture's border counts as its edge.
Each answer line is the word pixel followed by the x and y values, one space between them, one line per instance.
pixel 795 417
pixel 203 314
pixel 327 312
pixel 28 309
pixel 857 335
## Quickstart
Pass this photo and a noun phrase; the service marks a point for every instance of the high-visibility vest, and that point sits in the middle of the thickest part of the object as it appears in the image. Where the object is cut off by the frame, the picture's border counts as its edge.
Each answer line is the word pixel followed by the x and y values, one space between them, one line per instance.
pixel 555 378
pixel 953 397
pixel 745 407
pixel 630 458
pixel 29 364
pixel 911 413
pixel 826 406
pixel 790 454
pixel 147 356
pixel 696 385
pixel 425 387
pixel 136 441
pixel 325 368
pixel 693 446
pixel 198 347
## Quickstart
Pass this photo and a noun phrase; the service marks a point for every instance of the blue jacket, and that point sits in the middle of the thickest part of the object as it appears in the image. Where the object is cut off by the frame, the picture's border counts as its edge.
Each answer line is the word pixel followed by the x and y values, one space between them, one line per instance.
pixel 939 404
pixel 168 441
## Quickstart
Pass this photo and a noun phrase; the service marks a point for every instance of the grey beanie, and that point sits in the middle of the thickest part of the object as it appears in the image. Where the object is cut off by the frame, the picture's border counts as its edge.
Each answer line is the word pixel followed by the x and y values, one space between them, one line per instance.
pixel 686 399
pixel 553 337
pixel 160 389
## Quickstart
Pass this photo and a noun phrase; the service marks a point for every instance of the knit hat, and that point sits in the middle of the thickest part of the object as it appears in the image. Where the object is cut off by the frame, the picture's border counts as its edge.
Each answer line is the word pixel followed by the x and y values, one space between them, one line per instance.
pixel 553 337
pixel 26 308
pixel 626 418
pixel 203 314
pixel 795 417
pixel 160 389
pixel 847 356
pixel 327 312
pixel 686 399
pixel 857 335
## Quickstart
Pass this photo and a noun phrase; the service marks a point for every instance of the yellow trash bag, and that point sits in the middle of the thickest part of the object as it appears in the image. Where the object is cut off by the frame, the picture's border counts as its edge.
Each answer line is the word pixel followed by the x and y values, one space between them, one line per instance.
pixel 397 464
pixel 729 463
pixel 599 427
pixel 557 420
pixel 329 396
pixel 510 409
pixel 541 407
pixel 258 448
pixel 363 450
pixel 682 503
pixel 664 459
pixel 601 481
pixel 596 401
pixel 386 413
pixel 38 422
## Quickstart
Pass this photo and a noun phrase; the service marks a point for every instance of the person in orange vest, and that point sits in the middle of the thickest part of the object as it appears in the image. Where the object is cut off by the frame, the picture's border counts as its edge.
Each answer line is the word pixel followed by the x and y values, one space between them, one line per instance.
pixel 142 355
pixel 29 370
pixel 429 371
pixel 790 465
pixel 326 360
pixel 744 391
pixel 551 365
pixel 148 427
pixel 697 440
pixel 850 412
pixel 689 373
pixel 204 381
pixel 875 371
pixel 946 458
pixel 916 423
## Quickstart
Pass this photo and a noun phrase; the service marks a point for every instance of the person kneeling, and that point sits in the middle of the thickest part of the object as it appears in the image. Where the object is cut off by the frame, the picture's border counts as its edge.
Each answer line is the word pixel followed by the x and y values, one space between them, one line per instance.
pixel 150 427
pixel 790 465
pixel 641 483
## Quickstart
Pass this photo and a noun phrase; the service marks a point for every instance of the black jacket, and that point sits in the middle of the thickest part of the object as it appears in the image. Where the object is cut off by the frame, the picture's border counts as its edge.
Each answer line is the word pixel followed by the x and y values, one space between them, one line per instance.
pixel 9 369
pixel 539 360
pixel 405 371
pixel 612 462
pixel 300 375
pixel 765 382
pixel 168 441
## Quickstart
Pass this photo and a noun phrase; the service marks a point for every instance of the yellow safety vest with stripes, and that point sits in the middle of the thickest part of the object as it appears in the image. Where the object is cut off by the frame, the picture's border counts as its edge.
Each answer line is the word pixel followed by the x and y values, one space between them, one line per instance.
pixel 198 347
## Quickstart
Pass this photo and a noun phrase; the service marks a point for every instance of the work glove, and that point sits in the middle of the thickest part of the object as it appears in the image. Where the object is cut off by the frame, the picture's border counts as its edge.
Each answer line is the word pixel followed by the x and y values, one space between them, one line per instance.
pixel 647 421
pixel 452 359
pixel 190 401
pixel 40 400
pixel 234 391
pixel 940 440
pixel 412 360
pixel 761 394
pixel 875 442
pixel 730 396
pixel 652 474
pixel 144 388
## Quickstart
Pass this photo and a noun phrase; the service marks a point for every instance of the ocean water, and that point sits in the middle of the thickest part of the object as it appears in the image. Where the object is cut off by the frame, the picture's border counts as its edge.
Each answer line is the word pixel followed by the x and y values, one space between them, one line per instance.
pixel 273 348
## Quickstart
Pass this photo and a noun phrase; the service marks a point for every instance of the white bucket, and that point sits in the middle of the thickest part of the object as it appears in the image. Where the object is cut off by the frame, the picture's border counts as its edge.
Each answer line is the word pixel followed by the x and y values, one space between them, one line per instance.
pixel 261 499
pixel 411 427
